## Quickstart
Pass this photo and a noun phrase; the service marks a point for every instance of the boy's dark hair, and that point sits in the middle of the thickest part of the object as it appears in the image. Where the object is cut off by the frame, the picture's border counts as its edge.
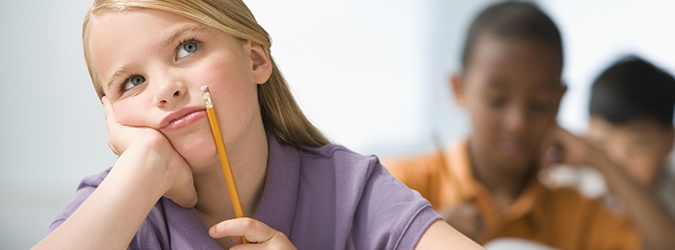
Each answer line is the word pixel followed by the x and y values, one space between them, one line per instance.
pixel 512 19
pixel 633 89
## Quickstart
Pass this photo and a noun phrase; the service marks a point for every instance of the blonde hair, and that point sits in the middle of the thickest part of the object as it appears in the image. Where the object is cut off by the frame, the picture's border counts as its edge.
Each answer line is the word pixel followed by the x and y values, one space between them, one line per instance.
pixel 280 113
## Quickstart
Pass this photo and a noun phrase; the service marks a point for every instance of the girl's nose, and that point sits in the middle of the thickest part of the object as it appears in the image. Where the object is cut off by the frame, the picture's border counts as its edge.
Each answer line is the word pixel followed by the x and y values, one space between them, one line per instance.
pixel 169 92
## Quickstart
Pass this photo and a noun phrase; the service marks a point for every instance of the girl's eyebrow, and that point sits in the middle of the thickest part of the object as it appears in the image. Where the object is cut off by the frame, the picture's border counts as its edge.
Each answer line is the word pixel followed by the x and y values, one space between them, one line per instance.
pixel 179 32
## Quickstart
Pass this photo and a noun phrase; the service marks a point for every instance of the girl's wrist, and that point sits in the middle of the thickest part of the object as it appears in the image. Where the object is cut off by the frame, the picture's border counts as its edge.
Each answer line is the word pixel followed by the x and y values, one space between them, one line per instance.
pixel 145 163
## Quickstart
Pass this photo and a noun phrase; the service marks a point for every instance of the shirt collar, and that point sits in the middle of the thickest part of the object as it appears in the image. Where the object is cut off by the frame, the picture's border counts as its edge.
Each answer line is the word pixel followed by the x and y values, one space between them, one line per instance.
pixel 278 201
pixel 526 205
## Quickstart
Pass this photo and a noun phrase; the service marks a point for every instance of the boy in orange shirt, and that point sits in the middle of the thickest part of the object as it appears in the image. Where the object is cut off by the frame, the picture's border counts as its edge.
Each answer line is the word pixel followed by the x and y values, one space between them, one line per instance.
pixel 487 186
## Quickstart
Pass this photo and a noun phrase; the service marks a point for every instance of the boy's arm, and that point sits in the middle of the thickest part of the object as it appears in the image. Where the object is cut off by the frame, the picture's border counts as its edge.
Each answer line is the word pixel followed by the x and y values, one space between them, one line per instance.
pixel 648 216
pixel 650 219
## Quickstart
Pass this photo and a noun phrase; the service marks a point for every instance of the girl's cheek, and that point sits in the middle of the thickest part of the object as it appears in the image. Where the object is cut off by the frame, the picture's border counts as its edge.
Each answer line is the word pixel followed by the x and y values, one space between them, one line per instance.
pixel 127 114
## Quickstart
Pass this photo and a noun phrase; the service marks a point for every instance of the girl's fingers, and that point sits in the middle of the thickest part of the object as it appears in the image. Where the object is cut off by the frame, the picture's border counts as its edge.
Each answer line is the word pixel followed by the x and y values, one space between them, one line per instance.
pixel 112 148
pixel 120 136
pixel 107 109
pixel 254 231
pixel 236 239
pixel 110 120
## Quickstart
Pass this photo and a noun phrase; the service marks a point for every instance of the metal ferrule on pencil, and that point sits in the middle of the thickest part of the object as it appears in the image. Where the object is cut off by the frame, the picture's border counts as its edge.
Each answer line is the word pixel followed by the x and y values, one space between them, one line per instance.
pixel 207 100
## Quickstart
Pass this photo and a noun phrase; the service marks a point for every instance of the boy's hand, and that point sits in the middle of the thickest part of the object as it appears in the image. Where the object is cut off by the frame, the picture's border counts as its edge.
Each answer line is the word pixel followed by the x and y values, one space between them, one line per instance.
pixel 154 151
pixel 465 218
pixel 563 147
pixel 259 234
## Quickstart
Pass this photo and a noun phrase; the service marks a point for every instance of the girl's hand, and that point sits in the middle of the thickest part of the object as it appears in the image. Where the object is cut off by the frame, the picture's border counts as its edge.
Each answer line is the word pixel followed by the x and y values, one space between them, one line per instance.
pixel 122 136
pixel 154 151
pixel 260 235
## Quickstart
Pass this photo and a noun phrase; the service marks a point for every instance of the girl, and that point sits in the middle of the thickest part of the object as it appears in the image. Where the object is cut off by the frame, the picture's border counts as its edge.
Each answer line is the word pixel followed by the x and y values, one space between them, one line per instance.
pixel 147 60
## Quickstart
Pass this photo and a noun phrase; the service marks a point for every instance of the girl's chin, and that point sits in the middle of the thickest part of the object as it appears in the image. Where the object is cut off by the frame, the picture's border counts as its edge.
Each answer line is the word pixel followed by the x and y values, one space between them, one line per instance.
pixel 198 154
pixel 201 160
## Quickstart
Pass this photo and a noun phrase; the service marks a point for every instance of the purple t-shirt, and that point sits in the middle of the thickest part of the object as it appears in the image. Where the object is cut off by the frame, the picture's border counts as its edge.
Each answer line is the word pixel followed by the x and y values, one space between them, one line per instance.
pixel 321 198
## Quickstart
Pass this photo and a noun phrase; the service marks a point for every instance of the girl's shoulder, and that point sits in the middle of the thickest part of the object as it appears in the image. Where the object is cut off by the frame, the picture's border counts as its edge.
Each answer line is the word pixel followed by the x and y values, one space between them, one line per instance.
pixel 353 194
pixel 340 161
pixel 332 152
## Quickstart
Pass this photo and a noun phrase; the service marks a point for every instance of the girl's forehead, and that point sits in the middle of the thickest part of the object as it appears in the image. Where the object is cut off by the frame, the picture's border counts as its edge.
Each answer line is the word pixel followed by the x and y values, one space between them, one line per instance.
pixel 135 19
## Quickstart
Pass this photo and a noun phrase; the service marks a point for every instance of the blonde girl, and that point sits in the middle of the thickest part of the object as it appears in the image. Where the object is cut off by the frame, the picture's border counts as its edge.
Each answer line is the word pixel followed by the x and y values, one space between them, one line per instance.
pixel 147 60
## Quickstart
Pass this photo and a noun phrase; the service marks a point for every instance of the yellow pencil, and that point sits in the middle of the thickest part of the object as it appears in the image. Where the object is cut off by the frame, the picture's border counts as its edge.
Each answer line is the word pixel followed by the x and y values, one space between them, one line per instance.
pixel 222 152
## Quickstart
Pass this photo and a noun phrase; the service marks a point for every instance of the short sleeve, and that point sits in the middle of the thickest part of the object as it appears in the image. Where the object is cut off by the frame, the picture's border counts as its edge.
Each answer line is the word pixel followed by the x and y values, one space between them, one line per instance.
pixel 420 174
pixel 84 190
pixel 389 214
pixel 151 235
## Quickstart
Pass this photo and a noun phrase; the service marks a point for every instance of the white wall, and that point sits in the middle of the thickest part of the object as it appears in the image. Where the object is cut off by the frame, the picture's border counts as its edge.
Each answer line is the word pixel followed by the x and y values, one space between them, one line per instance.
pixel 52 130
pixel 596 33
pixel 372 74
pixel 356 67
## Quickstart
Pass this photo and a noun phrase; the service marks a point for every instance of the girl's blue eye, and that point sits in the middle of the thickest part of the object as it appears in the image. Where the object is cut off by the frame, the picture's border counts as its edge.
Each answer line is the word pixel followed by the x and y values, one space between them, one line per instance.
pixel 133 81
pixel 186 49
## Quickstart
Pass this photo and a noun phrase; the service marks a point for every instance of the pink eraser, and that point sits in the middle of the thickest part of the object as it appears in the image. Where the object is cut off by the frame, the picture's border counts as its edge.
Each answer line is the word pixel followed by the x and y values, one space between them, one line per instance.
pixel 205 88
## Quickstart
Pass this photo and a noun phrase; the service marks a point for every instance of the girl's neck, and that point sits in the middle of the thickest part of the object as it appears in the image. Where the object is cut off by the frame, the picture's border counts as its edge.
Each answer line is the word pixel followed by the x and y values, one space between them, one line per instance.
pixel 504 184
pixel 248 158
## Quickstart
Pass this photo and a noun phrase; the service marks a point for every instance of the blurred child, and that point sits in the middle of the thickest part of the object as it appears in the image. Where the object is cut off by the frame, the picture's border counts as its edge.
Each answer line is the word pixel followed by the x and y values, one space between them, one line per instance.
pixel 632 104
pixel 486 186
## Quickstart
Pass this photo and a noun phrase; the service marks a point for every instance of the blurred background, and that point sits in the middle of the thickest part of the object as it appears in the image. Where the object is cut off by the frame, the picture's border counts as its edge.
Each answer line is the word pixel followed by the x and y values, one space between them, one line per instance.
pixel 371 74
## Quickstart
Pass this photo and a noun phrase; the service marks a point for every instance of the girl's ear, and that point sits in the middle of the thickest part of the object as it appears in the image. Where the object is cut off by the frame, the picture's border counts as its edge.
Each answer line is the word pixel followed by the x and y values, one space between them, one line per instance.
pixel 261 63
pixel 457 84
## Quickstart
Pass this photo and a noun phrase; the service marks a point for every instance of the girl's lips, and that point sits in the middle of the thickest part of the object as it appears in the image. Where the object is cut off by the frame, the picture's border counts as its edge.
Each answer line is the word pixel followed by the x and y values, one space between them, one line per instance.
pixel 184 121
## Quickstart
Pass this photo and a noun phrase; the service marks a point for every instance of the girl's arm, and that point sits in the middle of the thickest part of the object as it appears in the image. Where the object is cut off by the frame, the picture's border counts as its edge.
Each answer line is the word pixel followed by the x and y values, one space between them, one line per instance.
pixel 440 235
pixel 147 169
